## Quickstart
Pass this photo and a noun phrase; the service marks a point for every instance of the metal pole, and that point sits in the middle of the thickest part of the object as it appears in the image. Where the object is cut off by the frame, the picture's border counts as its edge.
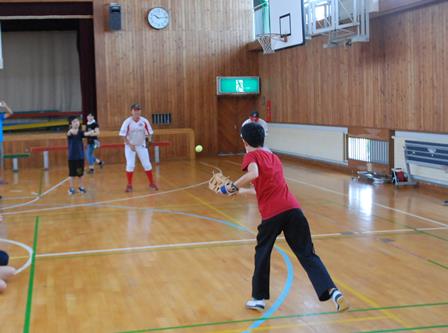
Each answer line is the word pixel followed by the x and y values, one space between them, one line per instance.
pixel 15 164
pixel 46 160
pixel 157 154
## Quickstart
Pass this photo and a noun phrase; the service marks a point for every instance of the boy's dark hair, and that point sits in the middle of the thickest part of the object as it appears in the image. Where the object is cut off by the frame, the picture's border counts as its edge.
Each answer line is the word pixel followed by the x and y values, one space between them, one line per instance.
pixel 71 118
pixel 4 258
pixel 253 134
pixel 136 106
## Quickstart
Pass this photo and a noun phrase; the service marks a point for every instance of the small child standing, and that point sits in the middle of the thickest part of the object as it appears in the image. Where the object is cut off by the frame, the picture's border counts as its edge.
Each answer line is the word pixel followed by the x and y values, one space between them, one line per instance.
pixel 76 154
pixel 92 143
pixel 280 212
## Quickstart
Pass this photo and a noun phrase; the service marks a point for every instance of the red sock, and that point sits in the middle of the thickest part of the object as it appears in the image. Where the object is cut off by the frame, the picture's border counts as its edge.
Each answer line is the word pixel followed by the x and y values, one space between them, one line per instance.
pixel 149 175
pixel 129 177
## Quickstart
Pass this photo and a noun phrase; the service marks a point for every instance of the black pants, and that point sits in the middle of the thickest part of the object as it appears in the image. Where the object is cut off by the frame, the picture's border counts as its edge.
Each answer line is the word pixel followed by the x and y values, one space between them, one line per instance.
pixel 297 233
pixel 75 168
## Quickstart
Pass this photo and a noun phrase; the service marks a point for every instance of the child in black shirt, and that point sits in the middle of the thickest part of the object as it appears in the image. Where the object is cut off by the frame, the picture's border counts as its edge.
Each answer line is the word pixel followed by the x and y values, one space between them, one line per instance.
pixel 76 154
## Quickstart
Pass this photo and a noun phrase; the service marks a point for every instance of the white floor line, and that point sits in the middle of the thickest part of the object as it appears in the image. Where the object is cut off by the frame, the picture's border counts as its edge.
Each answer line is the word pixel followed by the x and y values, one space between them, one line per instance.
pixel 35 199
pixel 54 187
pixel 23 246
pixel 367 232
pixel 148 247
pixel 9 198
pixel 429 229
pixel 211 166
pixel 319 235
pixel 426 219
pixel 210 243
pixel 325 189
pixel 88 204
pixel 43 205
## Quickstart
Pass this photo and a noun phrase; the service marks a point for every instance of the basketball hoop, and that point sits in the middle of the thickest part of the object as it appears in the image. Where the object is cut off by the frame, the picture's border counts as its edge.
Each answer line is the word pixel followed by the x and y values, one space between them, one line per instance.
pixel 265 40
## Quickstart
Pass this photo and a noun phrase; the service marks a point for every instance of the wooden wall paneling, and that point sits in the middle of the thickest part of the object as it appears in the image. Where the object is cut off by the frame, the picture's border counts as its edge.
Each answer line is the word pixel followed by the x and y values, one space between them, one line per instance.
pixel 370 133
pixel 416 64
pixel 396 81
pixel 174 70
pixel 390 6
pixel 321 86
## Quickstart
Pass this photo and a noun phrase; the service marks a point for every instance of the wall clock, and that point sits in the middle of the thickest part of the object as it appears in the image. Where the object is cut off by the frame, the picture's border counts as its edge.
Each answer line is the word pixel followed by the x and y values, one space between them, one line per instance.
pixel 158 18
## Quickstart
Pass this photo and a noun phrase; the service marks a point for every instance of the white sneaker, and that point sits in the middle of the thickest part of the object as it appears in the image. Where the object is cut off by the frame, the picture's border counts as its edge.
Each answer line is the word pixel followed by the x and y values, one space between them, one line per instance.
pixel 256 304
pixel 339 301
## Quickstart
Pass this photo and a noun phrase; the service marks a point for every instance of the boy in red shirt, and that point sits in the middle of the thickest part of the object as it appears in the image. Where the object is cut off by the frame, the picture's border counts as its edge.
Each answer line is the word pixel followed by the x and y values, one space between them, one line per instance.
pixel 280 211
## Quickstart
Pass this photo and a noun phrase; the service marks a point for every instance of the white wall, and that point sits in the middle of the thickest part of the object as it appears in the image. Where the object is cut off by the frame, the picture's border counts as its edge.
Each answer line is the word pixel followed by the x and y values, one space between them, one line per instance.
pixel 419 172
pixel 323 143
pixel 326 143
pixel 41 71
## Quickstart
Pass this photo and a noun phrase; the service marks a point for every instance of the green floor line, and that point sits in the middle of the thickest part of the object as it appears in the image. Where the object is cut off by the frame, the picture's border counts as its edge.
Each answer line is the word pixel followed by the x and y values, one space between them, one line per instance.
pixel 418 328
pixel 437 263
pixel 432 235
pixel 29 301
pixel 313 314
pixel 408 252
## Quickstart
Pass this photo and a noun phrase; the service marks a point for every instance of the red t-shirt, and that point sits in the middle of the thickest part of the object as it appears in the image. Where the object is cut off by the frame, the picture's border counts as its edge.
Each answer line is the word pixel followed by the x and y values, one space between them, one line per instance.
pixel 272 191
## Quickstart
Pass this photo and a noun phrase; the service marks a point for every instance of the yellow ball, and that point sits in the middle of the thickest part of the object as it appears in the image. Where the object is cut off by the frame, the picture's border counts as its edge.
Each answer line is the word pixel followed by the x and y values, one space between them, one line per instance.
pixel 198 148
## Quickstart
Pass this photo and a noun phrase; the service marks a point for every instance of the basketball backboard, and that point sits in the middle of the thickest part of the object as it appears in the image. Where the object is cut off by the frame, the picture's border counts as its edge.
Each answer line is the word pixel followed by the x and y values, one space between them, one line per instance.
pixel 286 20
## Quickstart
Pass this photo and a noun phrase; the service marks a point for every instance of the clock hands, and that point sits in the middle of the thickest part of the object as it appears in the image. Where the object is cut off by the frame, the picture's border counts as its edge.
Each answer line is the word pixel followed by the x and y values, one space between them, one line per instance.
pixel 160 17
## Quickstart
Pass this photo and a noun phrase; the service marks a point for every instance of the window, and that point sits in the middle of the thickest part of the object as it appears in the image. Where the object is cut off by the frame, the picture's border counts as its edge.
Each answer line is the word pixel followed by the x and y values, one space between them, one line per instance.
pixel 367 150
pixel 261 17
pixel 161 118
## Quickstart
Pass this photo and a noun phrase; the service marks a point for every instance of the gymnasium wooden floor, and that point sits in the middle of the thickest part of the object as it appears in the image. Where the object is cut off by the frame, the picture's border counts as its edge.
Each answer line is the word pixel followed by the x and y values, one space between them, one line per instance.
pixel 181 260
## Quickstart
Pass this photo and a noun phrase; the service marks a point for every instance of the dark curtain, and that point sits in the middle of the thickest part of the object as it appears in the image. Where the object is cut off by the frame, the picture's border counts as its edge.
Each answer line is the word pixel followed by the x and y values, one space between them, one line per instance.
pixel 86 49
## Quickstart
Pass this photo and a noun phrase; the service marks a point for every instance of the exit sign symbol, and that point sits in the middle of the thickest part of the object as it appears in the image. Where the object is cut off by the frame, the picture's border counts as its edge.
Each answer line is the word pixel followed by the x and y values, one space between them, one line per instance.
pixel 239 85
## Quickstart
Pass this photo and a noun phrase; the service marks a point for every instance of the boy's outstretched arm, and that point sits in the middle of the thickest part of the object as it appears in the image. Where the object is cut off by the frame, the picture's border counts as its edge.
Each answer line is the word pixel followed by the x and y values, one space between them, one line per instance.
pixel 246 190
pixel 250 175
pixel 235 187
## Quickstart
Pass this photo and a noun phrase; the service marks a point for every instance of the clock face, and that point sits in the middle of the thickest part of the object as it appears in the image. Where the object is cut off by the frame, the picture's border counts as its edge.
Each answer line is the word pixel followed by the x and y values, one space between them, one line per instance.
pixel 158 18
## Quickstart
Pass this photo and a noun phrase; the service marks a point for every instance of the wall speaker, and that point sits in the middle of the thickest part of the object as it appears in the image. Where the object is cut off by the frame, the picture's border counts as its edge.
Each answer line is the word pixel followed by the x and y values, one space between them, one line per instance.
pixel 114 16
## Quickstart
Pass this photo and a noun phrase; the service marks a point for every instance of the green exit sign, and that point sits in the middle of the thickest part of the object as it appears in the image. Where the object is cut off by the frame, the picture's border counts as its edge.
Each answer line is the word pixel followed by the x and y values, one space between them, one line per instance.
pixel 237 85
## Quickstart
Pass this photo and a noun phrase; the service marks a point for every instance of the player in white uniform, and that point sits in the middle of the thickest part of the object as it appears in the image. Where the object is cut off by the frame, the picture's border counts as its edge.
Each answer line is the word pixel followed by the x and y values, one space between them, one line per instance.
pixel 255 118
pixel 134 131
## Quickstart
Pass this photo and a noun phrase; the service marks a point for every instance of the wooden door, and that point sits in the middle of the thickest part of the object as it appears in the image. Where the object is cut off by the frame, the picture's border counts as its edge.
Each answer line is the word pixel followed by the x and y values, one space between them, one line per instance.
pixel 232 111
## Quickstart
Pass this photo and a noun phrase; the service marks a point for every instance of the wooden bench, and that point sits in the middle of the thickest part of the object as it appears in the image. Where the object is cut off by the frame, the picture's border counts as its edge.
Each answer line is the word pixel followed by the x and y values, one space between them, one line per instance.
pixel 181 147
pixel 15 159
pixel 45 150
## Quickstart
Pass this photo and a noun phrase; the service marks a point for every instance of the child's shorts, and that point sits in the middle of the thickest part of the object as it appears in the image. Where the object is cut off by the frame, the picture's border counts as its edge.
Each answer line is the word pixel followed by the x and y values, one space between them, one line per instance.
pixel 76 168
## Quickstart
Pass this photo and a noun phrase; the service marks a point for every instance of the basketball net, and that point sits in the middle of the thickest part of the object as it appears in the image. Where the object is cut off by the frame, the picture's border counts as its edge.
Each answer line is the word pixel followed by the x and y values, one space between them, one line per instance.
pixel 265 41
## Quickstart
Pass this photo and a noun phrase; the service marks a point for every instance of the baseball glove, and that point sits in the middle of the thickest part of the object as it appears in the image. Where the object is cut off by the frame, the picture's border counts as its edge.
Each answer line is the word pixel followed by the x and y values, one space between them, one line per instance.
pixel 222 185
